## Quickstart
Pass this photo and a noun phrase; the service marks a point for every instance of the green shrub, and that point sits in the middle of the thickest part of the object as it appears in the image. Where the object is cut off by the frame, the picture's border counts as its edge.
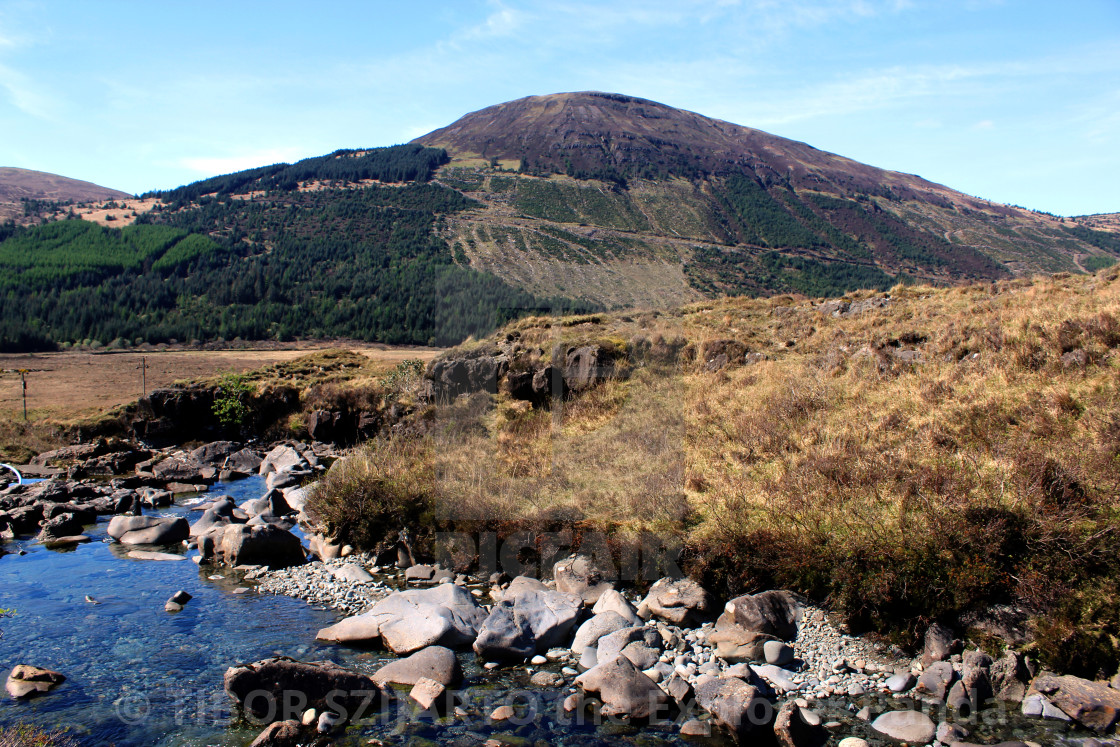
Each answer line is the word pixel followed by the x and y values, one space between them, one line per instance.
pixel 231 401
pixel 372 493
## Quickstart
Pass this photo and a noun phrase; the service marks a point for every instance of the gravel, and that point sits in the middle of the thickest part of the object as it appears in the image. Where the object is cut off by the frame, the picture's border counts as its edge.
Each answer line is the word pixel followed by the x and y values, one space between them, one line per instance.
pixel 315 584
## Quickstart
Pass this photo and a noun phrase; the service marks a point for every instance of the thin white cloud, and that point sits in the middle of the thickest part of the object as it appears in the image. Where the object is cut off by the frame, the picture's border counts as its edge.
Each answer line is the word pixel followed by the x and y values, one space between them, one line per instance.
pixel 25 95
pixel 502 22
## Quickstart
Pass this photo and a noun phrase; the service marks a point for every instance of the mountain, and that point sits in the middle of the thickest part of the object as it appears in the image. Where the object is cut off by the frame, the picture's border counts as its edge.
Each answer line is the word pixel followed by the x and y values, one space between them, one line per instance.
pixel 17 185
pixel 667 205
pixel 571 202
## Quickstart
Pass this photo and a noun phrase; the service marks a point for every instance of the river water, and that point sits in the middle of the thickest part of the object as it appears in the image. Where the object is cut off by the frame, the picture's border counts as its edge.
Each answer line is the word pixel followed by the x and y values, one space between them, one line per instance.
pixel 140 676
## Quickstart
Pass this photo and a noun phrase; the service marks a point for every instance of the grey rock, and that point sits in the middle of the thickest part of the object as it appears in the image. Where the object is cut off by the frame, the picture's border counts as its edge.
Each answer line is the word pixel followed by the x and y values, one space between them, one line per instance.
pixel 419 573
pixel 613 644
pixel 282 459
pixel 1010 677
pixel 598 626
pixel 317 682
pixel 624 690
pixel 428 692
pixel 221 512
pixel 408 621
pixel 936 680
pixel 148 530
pixel 734 704
pixel 939 644
pixel 900 683
pixel 245 460
pixel 267 545
pixel 1038 705
pixel 679 689
pixel 950 733
pixel 774 613
pixel 434 663
pixel 214 453
pixel 351 573
pixel 914 727
pixel 682 602
pixel 529 618
pixel 578 574
pixel 781 679
pixel 641 655
pixel 612 601
pixel 777 653
pixel 959 700
pixel 734 643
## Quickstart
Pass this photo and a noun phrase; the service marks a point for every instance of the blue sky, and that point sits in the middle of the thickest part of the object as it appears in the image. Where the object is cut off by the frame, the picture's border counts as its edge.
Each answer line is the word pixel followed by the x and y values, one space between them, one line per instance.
pixel 1017 102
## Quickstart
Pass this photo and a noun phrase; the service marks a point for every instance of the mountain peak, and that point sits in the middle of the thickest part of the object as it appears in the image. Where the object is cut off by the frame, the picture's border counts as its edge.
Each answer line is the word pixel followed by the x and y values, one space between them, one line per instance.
pixel 611 135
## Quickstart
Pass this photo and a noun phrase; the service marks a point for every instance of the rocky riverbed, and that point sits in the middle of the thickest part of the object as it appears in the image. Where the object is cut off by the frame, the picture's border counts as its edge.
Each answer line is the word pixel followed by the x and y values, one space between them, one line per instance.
pixel 848 687
pixel 596 663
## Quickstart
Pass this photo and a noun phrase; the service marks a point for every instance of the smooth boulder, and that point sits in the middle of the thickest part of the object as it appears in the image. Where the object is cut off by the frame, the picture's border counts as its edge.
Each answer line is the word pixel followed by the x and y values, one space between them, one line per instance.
pixel 434 663
pixel 264 544
pixel 625 691
pixel 772 613
pixel 529 618
pixel 283 458
pixel 734 704
pixel 914 727
pixel 598 626
pixel 265 687
pixel 407 621
pixel 612 601
pixel 149 530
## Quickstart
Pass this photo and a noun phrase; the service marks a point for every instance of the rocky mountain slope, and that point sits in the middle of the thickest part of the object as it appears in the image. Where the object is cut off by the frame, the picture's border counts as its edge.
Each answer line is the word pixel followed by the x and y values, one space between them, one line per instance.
pixel 17 185
pixel 628 201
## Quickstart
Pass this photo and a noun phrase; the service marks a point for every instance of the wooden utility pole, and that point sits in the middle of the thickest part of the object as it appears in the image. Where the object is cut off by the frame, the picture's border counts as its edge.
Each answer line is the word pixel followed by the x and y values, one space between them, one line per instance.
pixel 143 376
pixel 23 382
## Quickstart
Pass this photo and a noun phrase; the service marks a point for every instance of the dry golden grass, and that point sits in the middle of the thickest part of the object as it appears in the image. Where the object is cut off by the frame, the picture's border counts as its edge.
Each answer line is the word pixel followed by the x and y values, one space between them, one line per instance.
pixel 908 463
pixel 68 386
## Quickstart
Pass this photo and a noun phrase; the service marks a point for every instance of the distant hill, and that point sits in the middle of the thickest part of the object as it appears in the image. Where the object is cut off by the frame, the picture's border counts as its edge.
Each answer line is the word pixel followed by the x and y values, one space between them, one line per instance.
pixel 569 202
pixel 23 184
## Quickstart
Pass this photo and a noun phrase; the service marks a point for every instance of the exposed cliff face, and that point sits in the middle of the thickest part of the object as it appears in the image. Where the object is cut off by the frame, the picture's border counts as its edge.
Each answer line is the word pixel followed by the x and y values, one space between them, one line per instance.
pixel 181 414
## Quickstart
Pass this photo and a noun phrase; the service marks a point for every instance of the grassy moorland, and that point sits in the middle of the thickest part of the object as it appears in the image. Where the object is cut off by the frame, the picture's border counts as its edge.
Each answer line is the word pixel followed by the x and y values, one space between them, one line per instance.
pixel 951 451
